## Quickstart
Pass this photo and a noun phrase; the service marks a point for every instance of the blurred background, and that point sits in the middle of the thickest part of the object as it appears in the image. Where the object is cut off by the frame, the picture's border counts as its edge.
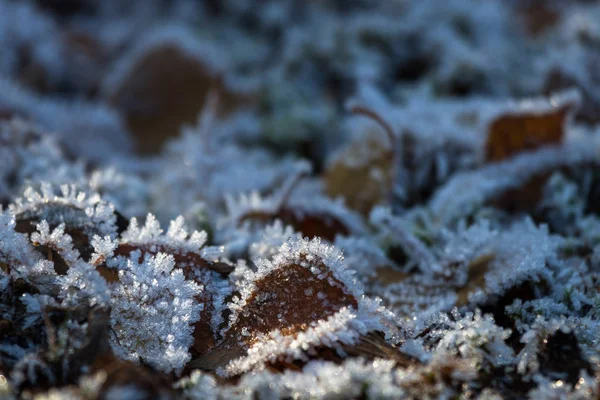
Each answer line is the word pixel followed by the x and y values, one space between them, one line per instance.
pixel 292 63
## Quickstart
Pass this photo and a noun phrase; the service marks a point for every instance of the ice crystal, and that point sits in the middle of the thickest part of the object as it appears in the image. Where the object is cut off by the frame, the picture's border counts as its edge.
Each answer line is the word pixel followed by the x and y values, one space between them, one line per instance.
pixel 175 238
pixel 79 208
pixel 180 179
pixel 273 237
pixel 158 329
pixel 525 250
pixel 15 247
pixel 477 338
pixel 332 289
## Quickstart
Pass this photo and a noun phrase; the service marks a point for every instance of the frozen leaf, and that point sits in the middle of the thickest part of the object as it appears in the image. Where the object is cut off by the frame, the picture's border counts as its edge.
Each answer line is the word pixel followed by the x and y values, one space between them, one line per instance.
pixel 468 191
pixel 309 214
pixel 529 128
pixel 303 298
pixel 273 237
pixel 83 215
pixel 199 264
pixel 188 249
pixel 363 172
pixel 163 83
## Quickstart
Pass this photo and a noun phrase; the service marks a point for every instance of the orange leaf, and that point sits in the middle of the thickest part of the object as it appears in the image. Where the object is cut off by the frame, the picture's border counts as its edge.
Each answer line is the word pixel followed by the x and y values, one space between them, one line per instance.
pixel 512 133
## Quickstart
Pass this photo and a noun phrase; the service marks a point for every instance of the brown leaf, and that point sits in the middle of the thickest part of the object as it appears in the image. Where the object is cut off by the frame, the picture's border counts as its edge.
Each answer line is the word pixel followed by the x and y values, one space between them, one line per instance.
pixel 369 182
pixel 189 262
pixel 512 133
pixel 523 198
pixel 538 16
pixel 321 217
pixel 77 224
pixel 310 223
pixel 366 184
pixel 165 89
pixel 289 299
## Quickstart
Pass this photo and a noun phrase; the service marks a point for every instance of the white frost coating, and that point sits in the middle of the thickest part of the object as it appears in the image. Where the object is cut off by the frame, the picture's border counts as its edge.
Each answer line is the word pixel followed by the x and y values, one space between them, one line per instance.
pixel 176 237
pixel 416 249
pixel 551 389
pixel 303 202
pixel 100 213
pixel 57 240
pixel 273 237
pixel 246 203
pixel 103 248
pixel 540 330
pixel 317 380
pixel 468 190
pixel 419 297
pixel 153 312
pixel 310 254
pixel 477 338
pixel 198 386
pixel 465 244
pixel 83 283
pixel 127 191
pixel 326 208
pixel 337 328
pixel 207 53
pixel 520 254
pixel 29 153
pixel 344 327
pixel 362 255
pixel 90 130
pixel 253 202
pixel 14 246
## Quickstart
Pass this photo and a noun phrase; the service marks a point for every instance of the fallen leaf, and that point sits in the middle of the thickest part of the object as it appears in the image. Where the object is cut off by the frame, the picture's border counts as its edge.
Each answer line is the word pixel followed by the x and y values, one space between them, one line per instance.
pixel 165 89
pixel 515 132
pixel 363 173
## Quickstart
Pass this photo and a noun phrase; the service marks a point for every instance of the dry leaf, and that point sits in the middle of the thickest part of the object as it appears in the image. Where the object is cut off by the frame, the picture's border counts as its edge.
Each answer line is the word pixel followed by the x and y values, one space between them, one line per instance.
pixel 364 178
pixel 513 133
pixel 163 91
pixel 362 185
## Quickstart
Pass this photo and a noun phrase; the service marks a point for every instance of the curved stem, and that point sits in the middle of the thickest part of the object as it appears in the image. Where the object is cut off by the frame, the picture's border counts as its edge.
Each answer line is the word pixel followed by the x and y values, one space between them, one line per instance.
pixel 391 135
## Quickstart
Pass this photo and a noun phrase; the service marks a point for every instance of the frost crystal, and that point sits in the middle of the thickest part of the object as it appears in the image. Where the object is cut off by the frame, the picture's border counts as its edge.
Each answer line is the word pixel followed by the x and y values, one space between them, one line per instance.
pixel 153 312
pixel 308 200
pixel 338 295
pixel 79 208
pixel 176 237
